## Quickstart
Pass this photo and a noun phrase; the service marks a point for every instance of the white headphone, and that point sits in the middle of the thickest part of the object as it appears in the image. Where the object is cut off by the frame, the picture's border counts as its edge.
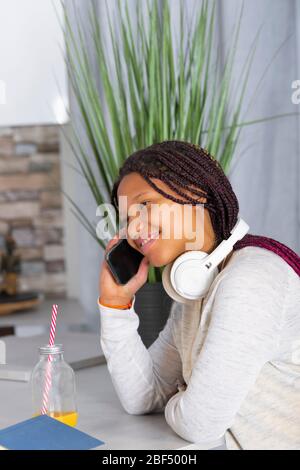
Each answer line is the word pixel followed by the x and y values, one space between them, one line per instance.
pixel 189 277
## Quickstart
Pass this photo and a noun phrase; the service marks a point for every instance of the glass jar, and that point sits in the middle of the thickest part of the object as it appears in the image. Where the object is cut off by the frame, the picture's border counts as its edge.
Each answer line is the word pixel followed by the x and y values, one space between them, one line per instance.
pixel 53 386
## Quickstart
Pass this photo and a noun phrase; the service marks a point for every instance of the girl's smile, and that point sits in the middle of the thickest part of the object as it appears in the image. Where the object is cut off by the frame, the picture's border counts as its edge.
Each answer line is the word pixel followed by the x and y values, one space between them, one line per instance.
pixel 144 243
pixel 147 244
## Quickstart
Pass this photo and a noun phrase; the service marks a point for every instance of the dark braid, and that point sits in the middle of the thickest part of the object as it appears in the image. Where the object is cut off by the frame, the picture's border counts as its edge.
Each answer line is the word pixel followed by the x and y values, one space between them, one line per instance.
pixel 183 165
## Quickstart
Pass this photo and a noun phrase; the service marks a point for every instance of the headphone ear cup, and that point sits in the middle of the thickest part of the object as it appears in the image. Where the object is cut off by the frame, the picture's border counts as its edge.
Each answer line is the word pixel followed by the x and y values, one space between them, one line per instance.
pixel 190 277
pixel 169 288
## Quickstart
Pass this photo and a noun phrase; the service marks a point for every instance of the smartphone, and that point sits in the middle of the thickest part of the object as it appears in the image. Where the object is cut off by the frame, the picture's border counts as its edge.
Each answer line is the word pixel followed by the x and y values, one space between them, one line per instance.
pixel 123 261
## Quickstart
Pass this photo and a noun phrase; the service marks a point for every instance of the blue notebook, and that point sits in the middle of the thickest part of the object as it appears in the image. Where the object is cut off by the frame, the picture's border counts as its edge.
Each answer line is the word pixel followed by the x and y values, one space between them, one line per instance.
pixel 45 433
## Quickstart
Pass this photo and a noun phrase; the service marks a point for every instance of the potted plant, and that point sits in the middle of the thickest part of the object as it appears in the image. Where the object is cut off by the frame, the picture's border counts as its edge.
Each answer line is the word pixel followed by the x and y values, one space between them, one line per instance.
pixel 11 299
pixel 146 92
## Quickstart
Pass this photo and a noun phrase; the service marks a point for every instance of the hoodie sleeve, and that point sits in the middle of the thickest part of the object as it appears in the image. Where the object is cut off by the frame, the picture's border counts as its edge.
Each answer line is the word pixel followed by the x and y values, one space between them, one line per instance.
pixel 144 379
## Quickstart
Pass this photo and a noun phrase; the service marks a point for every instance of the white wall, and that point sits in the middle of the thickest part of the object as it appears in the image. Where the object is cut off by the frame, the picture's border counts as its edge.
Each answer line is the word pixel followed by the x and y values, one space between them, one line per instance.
pixel 33 86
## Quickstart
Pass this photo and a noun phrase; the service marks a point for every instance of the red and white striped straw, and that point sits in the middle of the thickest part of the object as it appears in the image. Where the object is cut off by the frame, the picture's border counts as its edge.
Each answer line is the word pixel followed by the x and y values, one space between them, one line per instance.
pixel 48 381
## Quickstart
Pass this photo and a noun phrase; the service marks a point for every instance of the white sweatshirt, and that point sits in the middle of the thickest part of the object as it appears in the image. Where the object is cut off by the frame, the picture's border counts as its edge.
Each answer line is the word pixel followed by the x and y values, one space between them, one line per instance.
pixel 228 365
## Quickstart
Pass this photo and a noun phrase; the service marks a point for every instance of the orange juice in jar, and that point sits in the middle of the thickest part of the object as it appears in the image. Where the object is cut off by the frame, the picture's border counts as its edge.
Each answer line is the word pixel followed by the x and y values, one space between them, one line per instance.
pixel 53 386
pixel 66 417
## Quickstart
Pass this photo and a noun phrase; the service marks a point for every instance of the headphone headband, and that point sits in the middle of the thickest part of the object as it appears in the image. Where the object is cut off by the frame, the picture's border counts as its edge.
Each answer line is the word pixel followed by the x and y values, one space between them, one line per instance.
pixel 214 258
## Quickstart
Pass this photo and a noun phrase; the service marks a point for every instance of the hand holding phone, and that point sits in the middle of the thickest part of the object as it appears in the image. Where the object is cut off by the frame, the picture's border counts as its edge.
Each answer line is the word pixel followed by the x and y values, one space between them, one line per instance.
pixel 113 287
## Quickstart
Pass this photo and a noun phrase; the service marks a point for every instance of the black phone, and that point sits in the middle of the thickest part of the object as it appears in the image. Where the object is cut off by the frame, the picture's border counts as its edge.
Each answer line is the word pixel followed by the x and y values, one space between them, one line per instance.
pixel 123 261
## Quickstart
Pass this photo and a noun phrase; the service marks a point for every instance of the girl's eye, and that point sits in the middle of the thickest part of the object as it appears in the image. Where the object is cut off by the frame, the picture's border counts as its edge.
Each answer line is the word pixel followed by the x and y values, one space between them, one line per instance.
pixel 143 203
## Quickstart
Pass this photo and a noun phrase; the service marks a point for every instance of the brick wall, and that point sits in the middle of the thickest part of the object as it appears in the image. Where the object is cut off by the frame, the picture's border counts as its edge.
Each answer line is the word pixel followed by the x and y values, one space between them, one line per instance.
pixel 31 205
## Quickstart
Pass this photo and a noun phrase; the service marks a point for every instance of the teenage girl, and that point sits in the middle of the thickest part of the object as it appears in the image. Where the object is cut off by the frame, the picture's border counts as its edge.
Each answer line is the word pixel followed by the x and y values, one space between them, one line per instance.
pixel 226 367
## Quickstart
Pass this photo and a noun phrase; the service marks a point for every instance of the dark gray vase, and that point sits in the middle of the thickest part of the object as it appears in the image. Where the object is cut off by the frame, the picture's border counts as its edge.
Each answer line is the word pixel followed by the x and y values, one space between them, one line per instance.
pixel 152 305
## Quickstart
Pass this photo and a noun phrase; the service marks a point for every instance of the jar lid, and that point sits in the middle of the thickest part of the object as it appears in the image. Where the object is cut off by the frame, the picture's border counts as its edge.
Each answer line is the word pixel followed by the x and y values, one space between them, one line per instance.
pixel 55 349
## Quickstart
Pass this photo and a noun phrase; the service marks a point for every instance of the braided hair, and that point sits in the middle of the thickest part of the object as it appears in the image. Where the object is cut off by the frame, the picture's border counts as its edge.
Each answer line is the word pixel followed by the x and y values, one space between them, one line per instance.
pixel 186 166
